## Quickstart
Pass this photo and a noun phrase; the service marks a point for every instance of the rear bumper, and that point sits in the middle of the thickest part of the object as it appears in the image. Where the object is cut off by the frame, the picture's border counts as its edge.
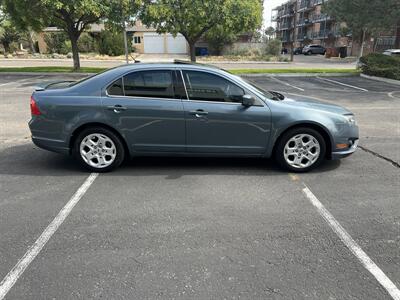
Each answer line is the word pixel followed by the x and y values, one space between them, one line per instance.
pixel 345 153
pixel 51 145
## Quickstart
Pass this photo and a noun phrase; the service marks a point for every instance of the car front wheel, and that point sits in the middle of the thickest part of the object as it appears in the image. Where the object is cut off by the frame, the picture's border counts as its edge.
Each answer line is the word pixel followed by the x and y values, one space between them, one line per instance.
pixel 99 149
pixel 300 150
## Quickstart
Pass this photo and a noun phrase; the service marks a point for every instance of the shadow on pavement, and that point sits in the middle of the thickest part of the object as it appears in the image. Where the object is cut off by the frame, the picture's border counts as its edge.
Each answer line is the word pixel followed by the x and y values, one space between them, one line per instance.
pixel 27 159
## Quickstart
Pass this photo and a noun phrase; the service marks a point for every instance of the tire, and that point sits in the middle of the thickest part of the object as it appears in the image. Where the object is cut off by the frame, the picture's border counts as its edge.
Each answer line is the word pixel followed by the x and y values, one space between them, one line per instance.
pixel 309 53
pixel 99 149
pixel 314 154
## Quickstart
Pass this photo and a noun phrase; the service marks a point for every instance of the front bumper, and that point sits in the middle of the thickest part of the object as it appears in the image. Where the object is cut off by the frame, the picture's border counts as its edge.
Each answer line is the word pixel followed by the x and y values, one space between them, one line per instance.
pixel 345 153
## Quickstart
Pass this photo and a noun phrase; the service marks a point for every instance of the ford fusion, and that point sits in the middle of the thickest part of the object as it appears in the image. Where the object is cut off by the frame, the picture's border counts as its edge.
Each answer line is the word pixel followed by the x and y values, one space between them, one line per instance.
pixel 182 109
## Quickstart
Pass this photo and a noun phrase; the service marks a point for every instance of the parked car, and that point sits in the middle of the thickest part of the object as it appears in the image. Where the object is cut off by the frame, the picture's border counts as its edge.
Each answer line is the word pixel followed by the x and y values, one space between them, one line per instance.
pixel 298 50
pixel 185 110
pixel 314 49
pixel 392 52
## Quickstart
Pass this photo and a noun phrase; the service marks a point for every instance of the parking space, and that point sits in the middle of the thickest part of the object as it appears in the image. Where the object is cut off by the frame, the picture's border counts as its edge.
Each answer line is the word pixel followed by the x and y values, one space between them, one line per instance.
pixel 205 228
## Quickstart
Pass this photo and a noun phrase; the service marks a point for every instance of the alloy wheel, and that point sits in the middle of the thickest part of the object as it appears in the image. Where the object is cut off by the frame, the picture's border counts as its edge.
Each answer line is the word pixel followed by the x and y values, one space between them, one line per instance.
pixel 98 150
pixel 302 151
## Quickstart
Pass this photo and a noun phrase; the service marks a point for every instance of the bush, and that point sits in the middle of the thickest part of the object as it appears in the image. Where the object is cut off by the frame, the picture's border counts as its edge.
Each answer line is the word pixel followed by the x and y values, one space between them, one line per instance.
pixel 381 65
pixel 273 47
pixel 112 43
pixel 87 43
pixel 57 43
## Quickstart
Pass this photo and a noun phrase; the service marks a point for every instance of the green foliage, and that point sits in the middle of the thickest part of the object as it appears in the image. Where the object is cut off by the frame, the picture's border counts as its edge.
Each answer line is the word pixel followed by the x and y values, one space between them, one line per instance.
pixel 218 37
pixel 8 36
pixel 381 65
pixel 72 16
pixel 111 43
pixel 87 43
pixel 57 42
pixel 193 18
pixel 269 32
pixel 364 15
pixel 273 47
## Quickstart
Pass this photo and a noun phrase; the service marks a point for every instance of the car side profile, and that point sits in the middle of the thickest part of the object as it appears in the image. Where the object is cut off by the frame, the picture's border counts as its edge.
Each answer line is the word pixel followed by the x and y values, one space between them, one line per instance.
pixel 314 49
pixel 180 109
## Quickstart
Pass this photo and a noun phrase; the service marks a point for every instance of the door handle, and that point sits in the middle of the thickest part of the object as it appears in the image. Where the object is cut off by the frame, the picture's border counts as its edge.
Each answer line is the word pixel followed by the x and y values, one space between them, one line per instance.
pixel 117 108
pixel 198 113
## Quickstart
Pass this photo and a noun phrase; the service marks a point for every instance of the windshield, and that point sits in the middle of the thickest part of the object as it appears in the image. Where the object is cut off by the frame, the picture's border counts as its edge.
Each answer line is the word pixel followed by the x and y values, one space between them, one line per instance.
pixel 260 90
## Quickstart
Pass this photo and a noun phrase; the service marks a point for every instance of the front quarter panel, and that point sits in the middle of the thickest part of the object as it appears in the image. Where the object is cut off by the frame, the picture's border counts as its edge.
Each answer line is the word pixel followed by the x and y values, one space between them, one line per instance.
pixel 286 115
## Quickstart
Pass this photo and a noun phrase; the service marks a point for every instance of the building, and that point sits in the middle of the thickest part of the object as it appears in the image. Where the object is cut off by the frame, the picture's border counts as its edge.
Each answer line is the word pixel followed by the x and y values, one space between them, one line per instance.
pixel 144 39
pixel 314 27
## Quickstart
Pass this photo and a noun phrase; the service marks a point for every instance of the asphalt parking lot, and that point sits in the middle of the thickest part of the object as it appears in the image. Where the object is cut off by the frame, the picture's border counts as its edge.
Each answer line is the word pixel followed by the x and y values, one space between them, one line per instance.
pixel 205 228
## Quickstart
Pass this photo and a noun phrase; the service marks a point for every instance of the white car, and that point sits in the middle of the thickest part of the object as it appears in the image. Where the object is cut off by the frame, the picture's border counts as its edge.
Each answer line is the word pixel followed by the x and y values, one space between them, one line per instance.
pixel 392 52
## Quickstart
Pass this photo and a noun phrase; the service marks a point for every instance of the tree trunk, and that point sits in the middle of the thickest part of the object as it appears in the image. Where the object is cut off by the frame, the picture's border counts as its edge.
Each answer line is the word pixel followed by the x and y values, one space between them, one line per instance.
pixel 192 51
pixel 74 36
pixel 397 42
pixel 362 44
pixel 31 42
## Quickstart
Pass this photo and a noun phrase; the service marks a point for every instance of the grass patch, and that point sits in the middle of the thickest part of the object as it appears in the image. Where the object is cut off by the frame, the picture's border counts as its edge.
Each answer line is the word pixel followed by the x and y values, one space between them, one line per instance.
pixel 52 69
pixel 292 70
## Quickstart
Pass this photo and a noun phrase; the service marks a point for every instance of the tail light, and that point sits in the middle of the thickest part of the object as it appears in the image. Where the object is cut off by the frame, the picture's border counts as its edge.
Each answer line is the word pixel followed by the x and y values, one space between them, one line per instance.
pixel 34 108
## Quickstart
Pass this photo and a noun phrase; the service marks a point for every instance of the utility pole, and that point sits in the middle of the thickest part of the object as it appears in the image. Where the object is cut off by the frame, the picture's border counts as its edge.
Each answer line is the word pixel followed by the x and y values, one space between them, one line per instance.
pixel 125 43
pixel 294 32
pixel 125 37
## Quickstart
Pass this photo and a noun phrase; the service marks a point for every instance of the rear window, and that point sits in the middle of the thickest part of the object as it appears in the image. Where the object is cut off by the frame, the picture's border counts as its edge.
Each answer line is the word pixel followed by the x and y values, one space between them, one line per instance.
pixel 152 84
pixel 157 84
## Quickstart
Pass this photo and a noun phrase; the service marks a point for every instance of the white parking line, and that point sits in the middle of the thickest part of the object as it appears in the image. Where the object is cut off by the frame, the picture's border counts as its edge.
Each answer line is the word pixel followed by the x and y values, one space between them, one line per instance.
pixel 11 278
pixel 353 246
pixel 287 84
pixel 344 84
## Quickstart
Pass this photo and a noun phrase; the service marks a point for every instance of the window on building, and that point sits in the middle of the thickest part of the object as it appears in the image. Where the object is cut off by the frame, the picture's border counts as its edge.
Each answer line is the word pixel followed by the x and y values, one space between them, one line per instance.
pixel 137 40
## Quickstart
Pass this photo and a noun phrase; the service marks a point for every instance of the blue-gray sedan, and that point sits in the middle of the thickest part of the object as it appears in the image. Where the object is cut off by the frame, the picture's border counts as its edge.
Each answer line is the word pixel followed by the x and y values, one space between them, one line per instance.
pixel 186 110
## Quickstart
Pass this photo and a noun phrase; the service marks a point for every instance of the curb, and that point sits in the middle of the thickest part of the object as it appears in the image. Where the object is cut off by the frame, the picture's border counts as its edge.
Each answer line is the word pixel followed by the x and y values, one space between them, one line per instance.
pixel 381 79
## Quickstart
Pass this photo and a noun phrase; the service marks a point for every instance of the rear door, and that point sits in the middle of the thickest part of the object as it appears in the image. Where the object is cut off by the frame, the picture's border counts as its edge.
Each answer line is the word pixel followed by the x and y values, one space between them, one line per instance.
pixel 217 122
pixel 145 109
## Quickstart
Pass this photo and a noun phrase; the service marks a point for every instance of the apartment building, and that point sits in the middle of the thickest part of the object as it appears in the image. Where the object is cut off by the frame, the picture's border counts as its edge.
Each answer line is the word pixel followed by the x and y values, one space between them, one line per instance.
pixel 314 27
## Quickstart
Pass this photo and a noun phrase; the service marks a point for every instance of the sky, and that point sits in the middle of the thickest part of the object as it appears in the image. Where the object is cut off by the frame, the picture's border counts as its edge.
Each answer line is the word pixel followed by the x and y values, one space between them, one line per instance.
pixel 268 6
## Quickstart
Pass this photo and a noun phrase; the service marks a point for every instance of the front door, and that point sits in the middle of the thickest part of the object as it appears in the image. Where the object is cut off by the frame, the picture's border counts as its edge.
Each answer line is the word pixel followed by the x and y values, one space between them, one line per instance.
pixel 144 108
pixel 217 122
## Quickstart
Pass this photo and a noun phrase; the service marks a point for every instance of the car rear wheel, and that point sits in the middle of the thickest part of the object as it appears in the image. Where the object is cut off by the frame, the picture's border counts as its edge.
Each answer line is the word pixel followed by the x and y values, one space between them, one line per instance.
pixel 99 149
pixel 300 150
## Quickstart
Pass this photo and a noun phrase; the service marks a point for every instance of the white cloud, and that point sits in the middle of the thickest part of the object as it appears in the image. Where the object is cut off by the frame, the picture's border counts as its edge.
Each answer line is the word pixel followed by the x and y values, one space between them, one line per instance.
pixel 268 6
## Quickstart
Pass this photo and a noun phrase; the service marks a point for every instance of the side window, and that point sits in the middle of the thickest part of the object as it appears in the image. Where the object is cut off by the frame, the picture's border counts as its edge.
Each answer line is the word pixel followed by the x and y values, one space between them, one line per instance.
pixel 157 84
pixel 209 87
pixel 115 89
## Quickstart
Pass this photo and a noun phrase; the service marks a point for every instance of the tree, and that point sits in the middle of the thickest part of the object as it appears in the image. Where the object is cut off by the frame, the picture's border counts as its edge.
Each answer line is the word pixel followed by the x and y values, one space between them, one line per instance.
pixel 218 37
pixel 72 16
pixel 364 17
pixel 269 32
pixel 8 35
pixel 194 18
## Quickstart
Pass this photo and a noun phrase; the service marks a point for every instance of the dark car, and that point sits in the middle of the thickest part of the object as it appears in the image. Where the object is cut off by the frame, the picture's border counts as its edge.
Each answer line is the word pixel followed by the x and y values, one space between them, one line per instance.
pixel 314 49
pixel 298 50
pixel 185 110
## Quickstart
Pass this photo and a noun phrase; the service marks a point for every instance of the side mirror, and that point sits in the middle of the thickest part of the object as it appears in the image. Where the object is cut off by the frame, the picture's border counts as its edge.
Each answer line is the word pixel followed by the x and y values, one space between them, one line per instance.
pixel 278 95
pixel 248 100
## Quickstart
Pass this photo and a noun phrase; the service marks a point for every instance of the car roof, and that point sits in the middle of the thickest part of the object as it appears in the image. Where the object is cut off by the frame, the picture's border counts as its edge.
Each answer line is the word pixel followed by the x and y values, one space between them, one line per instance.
pixel 392 50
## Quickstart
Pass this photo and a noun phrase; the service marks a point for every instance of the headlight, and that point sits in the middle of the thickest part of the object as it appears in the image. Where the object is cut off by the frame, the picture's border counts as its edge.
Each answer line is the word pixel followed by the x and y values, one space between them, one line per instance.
pixel 351 119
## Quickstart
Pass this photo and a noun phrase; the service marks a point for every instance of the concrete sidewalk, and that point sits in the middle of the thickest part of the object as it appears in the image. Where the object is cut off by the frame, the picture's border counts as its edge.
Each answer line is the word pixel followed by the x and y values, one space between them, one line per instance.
pixel 299 63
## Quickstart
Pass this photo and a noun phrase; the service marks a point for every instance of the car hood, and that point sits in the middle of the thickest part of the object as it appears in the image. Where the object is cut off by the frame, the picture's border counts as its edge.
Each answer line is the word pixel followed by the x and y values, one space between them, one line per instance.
pixel 314 104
